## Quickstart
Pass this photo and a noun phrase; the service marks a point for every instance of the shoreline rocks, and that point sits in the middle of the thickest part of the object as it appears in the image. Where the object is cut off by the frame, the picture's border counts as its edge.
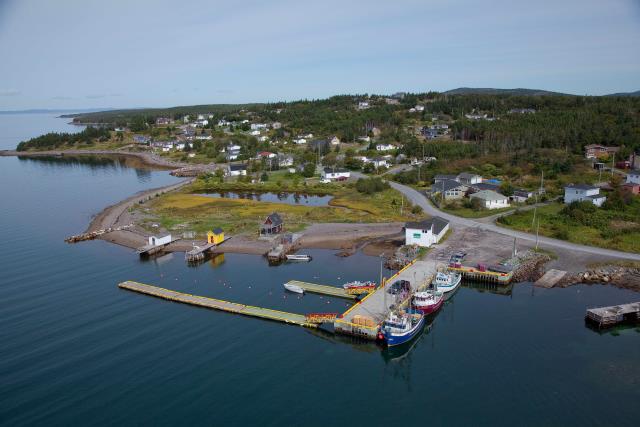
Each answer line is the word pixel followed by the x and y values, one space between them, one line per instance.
pixel 621 277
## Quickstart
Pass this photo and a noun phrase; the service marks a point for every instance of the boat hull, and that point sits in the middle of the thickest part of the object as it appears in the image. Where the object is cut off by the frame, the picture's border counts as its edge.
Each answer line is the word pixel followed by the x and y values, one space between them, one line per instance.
pixel 431 308
pixel 394 339
pixel 294 288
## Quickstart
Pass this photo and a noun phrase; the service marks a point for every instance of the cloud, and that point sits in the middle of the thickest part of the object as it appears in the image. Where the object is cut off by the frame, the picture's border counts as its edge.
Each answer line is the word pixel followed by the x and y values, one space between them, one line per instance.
pixel 9 92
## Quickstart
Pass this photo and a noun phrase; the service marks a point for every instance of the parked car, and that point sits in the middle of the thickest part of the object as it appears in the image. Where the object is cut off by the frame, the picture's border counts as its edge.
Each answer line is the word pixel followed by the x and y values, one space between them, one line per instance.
pixel 399 286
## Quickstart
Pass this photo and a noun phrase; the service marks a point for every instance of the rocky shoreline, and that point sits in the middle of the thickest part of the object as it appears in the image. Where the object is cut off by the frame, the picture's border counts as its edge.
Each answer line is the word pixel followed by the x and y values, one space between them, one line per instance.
pixel 621 277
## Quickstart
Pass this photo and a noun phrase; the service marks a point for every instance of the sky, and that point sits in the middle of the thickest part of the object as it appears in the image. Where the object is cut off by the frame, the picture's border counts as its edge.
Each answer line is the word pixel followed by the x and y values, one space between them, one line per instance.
pixel 155 53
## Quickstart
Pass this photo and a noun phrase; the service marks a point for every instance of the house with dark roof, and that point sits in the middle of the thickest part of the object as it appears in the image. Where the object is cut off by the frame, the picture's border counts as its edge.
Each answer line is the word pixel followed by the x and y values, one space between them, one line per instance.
pixel 521 196
pixel 469 178
pixel 272 225
pixel 427 232
pixel 449 189
pixel 583 192
pixel 237 170
pixel 439 178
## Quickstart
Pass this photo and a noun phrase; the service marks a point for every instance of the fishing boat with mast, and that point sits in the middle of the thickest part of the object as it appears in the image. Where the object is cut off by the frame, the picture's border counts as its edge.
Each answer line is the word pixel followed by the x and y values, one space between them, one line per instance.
pixel 446 282
pixel 402 327
pixel 428 301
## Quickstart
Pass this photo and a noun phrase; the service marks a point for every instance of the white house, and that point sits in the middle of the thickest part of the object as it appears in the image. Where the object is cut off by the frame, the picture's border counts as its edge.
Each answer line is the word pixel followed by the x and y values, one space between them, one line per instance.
pixel 266 155
pixel 469 178
pixel 490 199
pixel 363 105
pixel 258 126
pixel 254 132
pixel 203 137
pixel 276 125
pixel 223 122
pixel 633 177
pixel 426 233
pixel 365 138
pixel 583 192
pixel 237 170
pixel 521 196
pixel 158 241
pixel 334 140
pixel 335 174
pixel 300 141
pixel 379 163
pixel 419 108
pixel 385 147
pixel 263 138
pixel 285 160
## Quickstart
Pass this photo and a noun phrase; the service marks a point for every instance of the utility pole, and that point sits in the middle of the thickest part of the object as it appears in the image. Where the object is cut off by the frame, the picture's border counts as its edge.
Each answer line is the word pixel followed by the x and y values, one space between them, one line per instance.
pixel 613 164
pixel 537 231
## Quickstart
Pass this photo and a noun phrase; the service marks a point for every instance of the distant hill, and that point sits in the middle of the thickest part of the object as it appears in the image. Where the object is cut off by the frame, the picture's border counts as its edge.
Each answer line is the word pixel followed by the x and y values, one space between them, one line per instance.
pixel 494 91
pixel 636 93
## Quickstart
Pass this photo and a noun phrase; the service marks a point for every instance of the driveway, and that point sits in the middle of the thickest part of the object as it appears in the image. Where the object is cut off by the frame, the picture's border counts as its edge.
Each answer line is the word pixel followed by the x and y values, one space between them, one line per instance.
pixel 419 199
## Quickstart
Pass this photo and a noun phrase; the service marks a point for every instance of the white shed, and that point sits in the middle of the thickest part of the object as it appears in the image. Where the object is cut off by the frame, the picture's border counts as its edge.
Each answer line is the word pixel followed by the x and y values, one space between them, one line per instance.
pixel 158 241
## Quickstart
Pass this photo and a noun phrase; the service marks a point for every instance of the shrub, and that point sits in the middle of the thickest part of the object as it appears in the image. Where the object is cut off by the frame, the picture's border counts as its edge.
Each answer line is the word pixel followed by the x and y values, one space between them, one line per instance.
pixel 371 185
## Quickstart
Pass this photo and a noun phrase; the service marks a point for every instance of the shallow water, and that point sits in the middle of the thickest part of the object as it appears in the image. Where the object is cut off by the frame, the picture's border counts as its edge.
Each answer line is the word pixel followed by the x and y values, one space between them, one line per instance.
pixel 78 350
pixel 286 198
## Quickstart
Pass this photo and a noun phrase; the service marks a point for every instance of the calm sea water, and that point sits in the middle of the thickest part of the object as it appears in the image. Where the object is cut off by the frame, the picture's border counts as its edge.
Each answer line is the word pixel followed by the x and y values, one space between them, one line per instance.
pixel 78 350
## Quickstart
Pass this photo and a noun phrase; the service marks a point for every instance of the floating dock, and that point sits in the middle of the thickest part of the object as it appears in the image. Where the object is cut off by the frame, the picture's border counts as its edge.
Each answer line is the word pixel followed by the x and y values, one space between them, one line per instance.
pixel 216 304
pixel 478 275
pixel 604 317
pixel 373 308
pixel 332 291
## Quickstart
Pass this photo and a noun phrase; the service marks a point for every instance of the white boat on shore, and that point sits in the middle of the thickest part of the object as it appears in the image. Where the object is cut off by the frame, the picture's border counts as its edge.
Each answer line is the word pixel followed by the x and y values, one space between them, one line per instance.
pixel 447 282
pixel 293 288
pixel 298 257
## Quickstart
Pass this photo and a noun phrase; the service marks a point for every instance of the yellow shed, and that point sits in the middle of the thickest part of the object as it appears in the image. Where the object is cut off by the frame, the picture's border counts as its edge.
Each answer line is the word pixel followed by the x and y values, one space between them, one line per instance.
pixel 216 236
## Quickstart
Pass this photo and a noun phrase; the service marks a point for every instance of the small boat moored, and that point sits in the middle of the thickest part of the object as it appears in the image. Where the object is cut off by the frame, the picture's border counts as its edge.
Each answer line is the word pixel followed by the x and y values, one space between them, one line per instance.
pixel 293 288
pixel 428 301
pixel 447 282
pixel 298 257
pixel 358 287
pixel 399 328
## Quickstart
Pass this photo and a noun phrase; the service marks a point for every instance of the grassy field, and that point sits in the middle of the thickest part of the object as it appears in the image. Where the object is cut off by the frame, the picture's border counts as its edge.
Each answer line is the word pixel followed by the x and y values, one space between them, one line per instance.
pixel 617 234
pixel 188 211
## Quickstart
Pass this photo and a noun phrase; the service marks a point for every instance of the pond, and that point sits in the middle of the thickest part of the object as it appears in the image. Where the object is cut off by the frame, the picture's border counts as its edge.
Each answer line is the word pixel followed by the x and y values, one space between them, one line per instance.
pixel 287 198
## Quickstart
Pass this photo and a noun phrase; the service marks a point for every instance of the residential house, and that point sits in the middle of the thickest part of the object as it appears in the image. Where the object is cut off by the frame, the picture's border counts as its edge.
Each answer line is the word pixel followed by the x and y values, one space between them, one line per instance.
pixel 469 178
pixel 335 174
pixel 385 147
pixel 163 120
pixel 633 177
pixel 223 122
pixel 202 137
pixel 300 141
pixel 365 138
pixel 634 160
pixel 202 123
pixel 419 108
pixel 439 178
pixel 307 136
pixel 583 192
pixel 593 151
pixel 258 126
pixel 380 162
pixel 522 111
pixel 521 196
pixel 429 133
pixel 237 170
pixel 254 133
pixel 334 140
pixel 480 186
pixel 285 160
pixel 141 139
pixel 276 125
pixel 426 233
pixel 263 138
pixel 449 189
pixel 363 105
pixel 266 155
pixel 272 225
pixel 490 199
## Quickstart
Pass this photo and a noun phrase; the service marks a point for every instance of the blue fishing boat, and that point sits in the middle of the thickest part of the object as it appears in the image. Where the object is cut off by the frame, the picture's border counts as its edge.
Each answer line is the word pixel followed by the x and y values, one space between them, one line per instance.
pixel 401 328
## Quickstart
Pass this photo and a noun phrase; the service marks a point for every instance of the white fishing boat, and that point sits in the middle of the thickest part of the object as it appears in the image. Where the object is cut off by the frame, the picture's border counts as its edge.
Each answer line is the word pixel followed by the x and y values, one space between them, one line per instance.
pixel 447 282
pixel 298 257
pixel 293 288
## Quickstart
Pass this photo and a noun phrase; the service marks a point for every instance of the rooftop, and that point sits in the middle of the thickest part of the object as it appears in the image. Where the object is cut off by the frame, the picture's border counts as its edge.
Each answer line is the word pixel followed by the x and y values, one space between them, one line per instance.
pixel 488 195
pixel 437 222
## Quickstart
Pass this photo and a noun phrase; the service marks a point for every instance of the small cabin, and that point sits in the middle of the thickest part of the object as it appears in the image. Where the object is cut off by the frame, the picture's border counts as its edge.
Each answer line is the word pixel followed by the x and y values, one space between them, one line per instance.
pixel 272 225
pixel 215 236
pixel 158 241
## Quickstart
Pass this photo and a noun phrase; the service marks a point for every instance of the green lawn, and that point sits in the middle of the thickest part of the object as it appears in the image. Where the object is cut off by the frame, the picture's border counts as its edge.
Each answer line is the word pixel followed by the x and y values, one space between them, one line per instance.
pixel 618 232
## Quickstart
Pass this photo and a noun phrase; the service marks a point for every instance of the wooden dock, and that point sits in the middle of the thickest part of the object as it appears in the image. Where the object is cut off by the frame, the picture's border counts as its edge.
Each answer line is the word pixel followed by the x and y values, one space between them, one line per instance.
pixel 550 278
pixel 147 250
pixel 604 317
pixel 377 304
pixel 216 304
pixel 198 252
pixel 475 274
pixel 314 288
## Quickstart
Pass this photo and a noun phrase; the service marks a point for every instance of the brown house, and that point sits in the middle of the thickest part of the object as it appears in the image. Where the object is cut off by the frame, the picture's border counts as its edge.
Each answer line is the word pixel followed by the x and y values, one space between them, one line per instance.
pixel 631 188
pixel 595 151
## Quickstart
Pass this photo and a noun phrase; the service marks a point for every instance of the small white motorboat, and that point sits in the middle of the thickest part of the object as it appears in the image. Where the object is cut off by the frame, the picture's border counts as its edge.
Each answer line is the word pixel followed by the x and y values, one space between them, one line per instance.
pixel 298 257
pixel 294 288
pixel 446 282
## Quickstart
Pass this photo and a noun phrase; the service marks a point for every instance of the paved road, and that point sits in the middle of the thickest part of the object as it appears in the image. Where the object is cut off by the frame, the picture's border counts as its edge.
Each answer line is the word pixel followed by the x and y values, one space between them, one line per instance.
pixel 419 199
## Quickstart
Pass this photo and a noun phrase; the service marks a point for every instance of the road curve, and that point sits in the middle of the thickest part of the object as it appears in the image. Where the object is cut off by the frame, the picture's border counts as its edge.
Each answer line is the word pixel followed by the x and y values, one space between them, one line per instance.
pixel 419 199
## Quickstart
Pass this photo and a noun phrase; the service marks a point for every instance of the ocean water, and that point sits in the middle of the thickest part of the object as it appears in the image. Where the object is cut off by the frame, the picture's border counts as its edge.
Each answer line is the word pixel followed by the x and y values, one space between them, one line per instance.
pixel 78 350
